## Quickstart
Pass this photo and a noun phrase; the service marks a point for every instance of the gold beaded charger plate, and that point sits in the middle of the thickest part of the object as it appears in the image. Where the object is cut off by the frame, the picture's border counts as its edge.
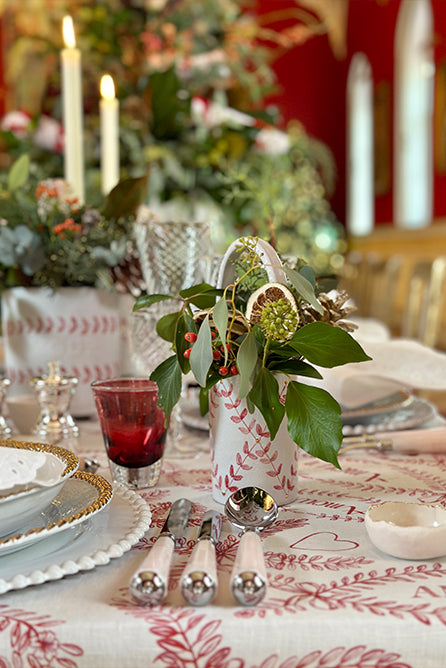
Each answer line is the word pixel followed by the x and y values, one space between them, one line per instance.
pixel 82 496
pixel 105 536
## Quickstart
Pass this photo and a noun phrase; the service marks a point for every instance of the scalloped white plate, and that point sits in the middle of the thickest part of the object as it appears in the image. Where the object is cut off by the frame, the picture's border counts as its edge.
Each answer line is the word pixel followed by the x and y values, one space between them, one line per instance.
pixel 105 536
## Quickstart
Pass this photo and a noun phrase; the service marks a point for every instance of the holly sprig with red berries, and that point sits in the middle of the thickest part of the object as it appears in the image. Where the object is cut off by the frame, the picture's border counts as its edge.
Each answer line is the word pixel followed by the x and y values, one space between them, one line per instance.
pixel 213 334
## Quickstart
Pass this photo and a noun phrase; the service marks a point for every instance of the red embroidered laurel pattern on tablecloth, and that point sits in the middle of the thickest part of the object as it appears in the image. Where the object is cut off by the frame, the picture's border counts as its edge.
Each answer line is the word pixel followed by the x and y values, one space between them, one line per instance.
pixel 370 610
pixel 187 638
pixel 30 639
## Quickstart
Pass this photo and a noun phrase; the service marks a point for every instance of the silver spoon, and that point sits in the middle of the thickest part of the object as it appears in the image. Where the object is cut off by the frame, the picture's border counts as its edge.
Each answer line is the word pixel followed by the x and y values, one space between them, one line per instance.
pixel 251 509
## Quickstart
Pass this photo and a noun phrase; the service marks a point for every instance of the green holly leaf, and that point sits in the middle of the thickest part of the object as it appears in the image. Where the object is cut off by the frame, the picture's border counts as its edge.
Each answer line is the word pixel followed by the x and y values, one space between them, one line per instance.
pixel 201 355
pixel 182 326
pixel 168 378
pixel 202 295
pixel 314 421
pixel 144 301
pixel 296 367
pixel 167 325
pixel 265 395
pixel 327 346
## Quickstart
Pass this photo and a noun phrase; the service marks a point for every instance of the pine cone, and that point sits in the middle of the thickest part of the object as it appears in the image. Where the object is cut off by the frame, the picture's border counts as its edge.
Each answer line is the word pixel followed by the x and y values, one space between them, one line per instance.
pixel 127 275
pixel 335 310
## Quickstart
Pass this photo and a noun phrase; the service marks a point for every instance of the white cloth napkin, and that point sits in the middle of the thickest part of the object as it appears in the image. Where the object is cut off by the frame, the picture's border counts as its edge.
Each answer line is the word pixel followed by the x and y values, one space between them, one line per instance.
pixel 396 364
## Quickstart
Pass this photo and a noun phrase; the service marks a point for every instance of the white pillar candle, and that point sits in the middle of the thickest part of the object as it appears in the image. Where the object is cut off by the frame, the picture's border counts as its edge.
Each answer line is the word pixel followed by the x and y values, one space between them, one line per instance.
pixel 72 111
pixel 414 95
pixel 109 115
pixel 360 214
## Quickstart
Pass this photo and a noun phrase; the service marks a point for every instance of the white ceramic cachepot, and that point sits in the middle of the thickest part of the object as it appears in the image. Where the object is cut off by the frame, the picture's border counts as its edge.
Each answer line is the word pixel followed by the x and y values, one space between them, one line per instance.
pixel 79 327
pixel 242 452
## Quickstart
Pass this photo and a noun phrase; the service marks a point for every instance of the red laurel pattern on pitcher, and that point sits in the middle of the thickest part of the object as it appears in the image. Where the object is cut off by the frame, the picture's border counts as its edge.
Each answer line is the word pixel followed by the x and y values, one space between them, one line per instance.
pixel 253 452
pixel 29 639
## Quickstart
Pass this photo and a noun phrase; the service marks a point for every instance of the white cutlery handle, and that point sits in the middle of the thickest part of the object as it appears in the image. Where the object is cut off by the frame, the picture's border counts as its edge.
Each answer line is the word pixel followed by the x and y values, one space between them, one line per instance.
pixel 149 583
pixel 417 440
pixel 199 579
pixel 248 577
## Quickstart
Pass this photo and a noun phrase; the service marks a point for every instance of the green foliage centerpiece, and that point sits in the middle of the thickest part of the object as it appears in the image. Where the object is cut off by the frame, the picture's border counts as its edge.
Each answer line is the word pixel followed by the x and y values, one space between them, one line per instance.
pixel 257 328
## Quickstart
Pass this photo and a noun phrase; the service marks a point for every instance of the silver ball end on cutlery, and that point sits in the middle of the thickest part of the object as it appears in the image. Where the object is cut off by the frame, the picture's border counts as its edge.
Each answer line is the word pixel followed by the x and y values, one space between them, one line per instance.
pixel 248 588
pixel 198 588
pixel 147 588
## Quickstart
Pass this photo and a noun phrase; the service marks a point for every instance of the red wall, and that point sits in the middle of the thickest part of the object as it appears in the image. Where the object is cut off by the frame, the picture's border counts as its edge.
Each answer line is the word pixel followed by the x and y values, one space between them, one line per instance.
pixel 314 83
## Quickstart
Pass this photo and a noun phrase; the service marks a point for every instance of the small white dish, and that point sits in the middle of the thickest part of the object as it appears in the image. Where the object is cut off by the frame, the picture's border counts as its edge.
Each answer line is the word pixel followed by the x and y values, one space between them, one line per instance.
pixel 82 496
pixel 408 530
pixel 27 495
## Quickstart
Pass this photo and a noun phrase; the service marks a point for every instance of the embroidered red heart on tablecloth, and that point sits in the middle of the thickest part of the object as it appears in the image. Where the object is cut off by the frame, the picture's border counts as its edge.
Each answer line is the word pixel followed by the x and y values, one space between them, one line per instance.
pixel 324 541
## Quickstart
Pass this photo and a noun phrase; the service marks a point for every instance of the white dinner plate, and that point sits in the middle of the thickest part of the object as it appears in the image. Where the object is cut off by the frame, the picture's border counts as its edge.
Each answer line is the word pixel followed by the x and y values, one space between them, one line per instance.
pixel 22 501
pixel 391 402
pixel 413 414
pixel 81 497
pixel 105 536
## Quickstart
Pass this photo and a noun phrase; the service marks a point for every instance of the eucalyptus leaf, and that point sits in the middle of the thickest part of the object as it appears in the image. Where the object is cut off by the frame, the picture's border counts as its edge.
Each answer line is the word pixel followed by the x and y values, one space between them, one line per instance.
pixel 201 355
pixel 314 421
pixel 220 318
pixel 18 173
pixel 168 378
pixel 265 395
pixel 303 287
pixel 246 362
pixel 327 346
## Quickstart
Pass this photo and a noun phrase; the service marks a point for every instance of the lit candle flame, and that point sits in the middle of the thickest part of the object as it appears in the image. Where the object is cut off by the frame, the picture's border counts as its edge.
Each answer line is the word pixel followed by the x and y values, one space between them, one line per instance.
pixel 68 32
pixel 107 87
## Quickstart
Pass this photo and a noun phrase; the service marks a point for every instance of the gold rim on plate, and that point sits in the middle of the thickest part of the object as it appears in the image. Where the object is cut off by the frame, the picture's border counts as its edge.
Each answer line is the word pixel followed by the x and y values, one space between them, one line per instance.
pixel 104 494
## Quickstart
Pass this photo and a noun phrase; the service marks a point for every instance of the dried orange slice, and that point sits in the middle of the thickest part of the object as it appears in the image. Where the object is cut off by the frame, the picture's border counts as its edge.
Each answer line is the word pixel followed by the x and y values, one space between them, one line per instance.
pixel 274 308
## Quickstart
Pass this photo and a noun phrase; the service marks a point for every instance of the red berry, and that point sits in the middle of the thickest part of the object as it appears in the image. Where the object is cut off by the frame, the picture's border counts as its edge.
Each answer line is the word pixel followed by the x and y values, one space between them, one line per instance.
pixel 227 346
pixel 187 352
pixel 216 355
pixel 213 335
pixel 233 370
pixel 190 337
pixel 223 371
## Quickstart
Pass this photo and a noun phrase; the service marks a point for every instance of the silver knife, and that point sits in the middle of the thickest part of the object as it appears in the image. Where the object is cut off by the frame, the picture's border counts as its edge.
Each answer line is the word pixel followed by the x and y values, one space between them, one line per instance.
pixel 149 584
pixel 199 579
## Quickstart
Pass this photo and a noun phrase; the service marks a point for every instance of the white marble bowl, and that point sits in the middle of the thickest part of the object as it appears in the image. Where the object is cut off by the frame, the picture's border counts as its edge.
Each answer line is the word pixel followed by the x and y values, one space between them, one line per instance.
pixel 408 530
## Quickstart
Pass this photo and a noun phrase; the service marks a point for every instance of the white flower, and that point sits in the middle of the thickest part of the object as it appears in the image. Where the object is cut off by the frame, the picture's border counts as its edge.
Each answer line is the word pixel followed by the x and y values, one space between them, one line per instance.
pixel 272 141
pixel 213 114
pixel 16 122
pixel 49 134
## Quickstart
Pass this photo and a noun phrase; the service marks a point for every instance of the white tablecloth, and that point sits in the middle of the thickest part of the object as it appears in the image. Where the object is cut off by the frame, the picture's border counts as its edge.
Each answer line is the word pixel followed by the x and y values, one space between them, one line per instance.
pixel 333 600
